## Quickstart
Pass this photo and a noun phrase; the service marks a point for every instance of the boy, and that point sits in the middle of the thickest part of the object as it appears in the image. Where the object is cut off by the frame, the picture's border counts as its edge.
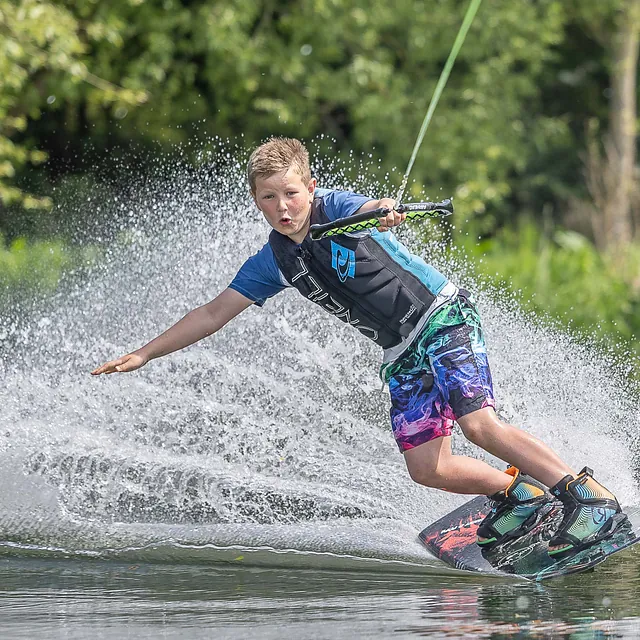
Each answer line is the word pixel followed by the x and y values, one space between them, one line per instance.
pixel 435 360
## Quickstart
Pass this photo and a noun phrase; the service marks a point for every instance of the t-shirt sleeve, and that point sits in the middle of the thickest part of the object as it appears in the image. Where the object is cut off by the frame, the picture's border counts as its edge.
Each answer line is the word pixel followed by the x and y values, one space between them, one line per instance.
pixel 340 204
pixel 259 277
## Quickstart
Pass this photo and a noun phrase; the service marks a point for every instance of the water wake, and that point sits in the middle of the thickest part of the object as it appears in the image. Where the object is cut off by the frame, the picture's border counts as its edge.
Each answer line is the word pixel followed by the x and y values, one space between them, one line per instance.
pixel 269 441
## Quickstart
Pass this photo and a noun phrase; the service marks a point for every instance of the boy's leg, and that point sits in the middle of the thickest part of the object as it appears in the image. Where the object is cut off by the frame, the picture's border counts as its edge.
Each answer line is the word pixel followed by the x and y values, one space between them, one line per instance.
pixel 433 465
pixel 461 372
pixel 517 447
pixel 447 378
pixel 423 435
pixel 514 446
pixel 458 359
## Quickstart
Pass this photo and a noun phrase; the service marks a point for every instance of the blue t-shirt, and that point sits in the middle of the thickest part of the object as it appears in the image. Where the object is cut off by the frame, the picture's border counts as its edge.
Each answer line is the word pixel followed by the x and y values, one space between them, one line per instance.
pixel 260 278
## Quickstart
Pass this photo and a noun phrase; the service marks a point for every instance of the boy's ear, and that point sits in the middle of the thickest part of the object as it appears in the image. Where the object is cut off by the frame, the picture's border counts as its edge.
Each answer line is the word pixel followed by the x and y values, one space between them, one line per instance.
pixel 312 186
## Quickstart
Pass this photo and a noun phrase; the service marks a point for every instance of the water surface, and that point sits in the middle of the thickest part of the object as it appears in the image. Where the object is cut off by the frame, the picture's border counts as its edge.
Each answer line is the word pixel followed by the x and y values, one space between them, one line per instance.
pixel 127 500
pixel 102 600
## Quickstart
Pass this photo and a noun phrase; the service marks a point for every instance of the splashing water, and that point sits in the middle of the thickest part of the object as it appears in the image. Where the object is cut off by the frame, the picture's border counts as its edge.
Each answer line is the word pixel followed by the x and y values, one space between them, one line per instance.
pixel 273 434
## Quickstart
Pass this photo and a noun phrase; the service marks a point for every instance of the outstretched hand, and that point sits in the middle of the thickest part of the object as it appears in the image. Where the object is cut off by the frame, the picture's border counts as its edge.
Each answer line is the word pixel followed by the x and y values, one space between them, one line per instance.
pixel 130 362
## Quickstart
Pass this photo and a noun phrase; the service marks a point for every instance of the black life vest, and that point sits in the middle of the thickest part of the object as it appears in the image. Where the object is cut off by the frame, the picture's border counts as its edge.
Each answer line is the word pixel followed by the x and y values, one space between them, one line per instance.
pixel 352 277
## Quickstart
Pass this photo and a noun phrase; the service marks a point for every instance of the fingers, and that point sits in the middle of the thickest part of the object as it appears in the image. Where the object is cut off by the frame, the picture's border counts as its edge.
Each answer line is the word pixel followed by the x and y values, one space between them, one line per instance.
pixel 392 219
pixel 130 362
pixel 110 367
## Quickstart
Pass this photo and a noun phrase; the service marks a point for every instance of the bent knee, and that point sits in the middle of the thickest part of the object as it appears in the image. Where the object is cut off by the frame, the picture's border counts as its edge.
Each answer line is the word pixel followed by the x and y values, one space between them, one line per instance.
pixel 425 476
pixel 481 429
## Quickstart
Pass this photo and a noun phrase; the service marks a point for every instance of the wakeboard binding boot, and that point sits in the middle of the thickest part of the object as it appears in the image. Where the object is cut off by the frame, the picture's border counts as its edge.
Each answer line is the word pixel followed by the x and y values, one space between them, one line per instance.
pixel 515 510
pixel 591 513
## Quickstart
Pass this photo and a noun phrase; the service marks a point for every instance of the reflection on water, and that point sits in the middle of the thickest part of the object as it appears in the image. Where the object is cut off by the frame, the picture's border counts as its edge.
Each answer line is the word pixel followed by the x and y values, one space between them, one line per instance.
pixel 75 599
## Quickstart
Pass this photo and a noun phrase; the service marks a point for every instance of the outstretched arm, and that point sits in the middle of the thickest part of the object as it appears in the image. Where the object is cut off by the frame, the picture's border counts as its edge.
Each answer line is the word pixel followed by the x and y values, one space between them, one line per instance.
pixel 197 324
pixel 393 218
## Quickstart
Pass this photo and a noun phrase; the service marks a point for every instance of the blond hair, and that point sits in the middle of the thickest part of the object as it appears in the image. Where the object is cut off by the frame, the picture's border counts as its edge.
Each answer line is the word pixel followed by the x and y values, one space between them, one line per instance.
pixel 275 155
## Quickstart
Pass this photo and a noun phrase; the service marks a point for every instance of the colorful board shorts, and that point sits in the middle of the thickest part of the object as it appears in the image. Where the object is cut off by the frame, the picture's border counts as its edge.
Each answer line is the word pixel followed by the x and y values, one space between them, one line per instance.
pixel 441 377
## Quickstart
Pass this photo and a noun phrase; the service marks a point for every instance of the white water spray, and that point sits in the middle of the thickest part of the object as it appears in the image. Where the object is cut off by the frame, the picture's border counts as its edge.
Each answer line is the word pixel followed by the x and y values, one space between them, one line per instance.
pixel 273 434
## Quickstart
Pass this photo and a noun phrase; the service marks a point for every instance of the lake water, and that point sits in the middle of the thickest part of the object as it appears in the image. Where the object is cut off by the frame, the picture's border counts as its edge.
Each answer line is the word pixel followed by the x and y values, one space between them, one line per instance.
pixel 250 485
pixel 106 600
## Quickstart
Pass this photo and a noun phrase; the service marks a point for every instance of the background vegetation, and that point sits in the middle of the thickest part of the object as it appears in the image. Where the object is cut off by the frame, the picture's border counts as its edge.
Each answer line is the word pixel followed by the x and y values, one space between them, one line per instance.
pixel 536 133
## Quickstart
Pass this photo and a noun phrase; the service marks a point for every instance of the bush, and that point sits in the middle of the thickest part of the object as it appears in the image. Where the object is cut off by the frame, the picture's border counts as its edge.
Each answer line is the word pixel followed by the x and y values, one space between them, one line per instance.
pixel 562 275
pixel 37 266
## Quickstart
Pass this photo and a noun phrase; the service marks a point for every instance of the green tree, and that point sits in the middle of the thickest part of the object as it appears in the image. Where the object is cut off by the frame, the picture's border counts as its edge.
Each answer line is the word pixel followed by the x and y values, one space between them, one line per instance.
pixel 43 59
pixel 358 72
pixel 611 161
pixel 507 134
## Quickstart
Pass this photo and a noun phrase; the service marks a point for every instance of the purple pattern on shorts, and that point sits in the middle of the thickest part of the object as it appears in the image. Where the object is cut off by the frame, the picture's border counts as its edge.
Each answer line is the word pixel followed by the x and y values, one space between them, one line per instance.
pixel 443 376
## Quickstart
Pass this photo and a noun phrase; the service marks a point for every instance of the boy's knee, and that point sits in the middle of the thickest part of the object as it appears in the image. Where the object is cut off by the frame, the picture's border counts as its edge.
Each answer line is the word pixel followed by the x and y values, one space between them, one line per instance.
pixel 480 429
pixel 424 475
pixel 428 463
pixel 474 432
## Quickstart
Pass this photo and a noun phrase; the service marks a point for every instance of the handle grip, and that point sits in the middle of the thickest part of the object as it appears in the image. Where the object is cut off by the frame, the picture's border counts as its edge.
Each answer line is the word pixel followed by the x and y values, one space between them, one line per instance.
pixel 370 219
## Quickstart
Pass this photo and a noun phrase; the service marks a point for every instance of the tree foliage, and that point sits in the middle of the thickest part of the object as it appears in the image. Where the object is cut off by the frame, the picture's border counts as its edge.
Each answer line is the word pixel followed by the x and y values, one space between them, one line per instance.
pixel 44 58
pixel 509 129
pixel 559 275
pixel 509 134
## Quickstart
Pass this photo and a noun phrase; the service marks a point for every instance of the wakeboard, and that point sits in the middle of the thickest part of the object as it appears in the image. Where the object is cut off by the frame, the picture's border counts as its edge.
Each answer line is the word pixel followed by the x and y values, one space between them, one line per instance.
pixel 453 540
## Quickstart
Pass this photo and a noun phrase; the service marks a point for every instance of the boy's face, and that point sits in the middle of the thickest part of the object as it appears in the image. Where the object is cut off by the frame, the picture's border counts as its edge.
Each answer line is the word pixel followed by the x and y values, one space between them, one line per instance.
pixel 285 201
